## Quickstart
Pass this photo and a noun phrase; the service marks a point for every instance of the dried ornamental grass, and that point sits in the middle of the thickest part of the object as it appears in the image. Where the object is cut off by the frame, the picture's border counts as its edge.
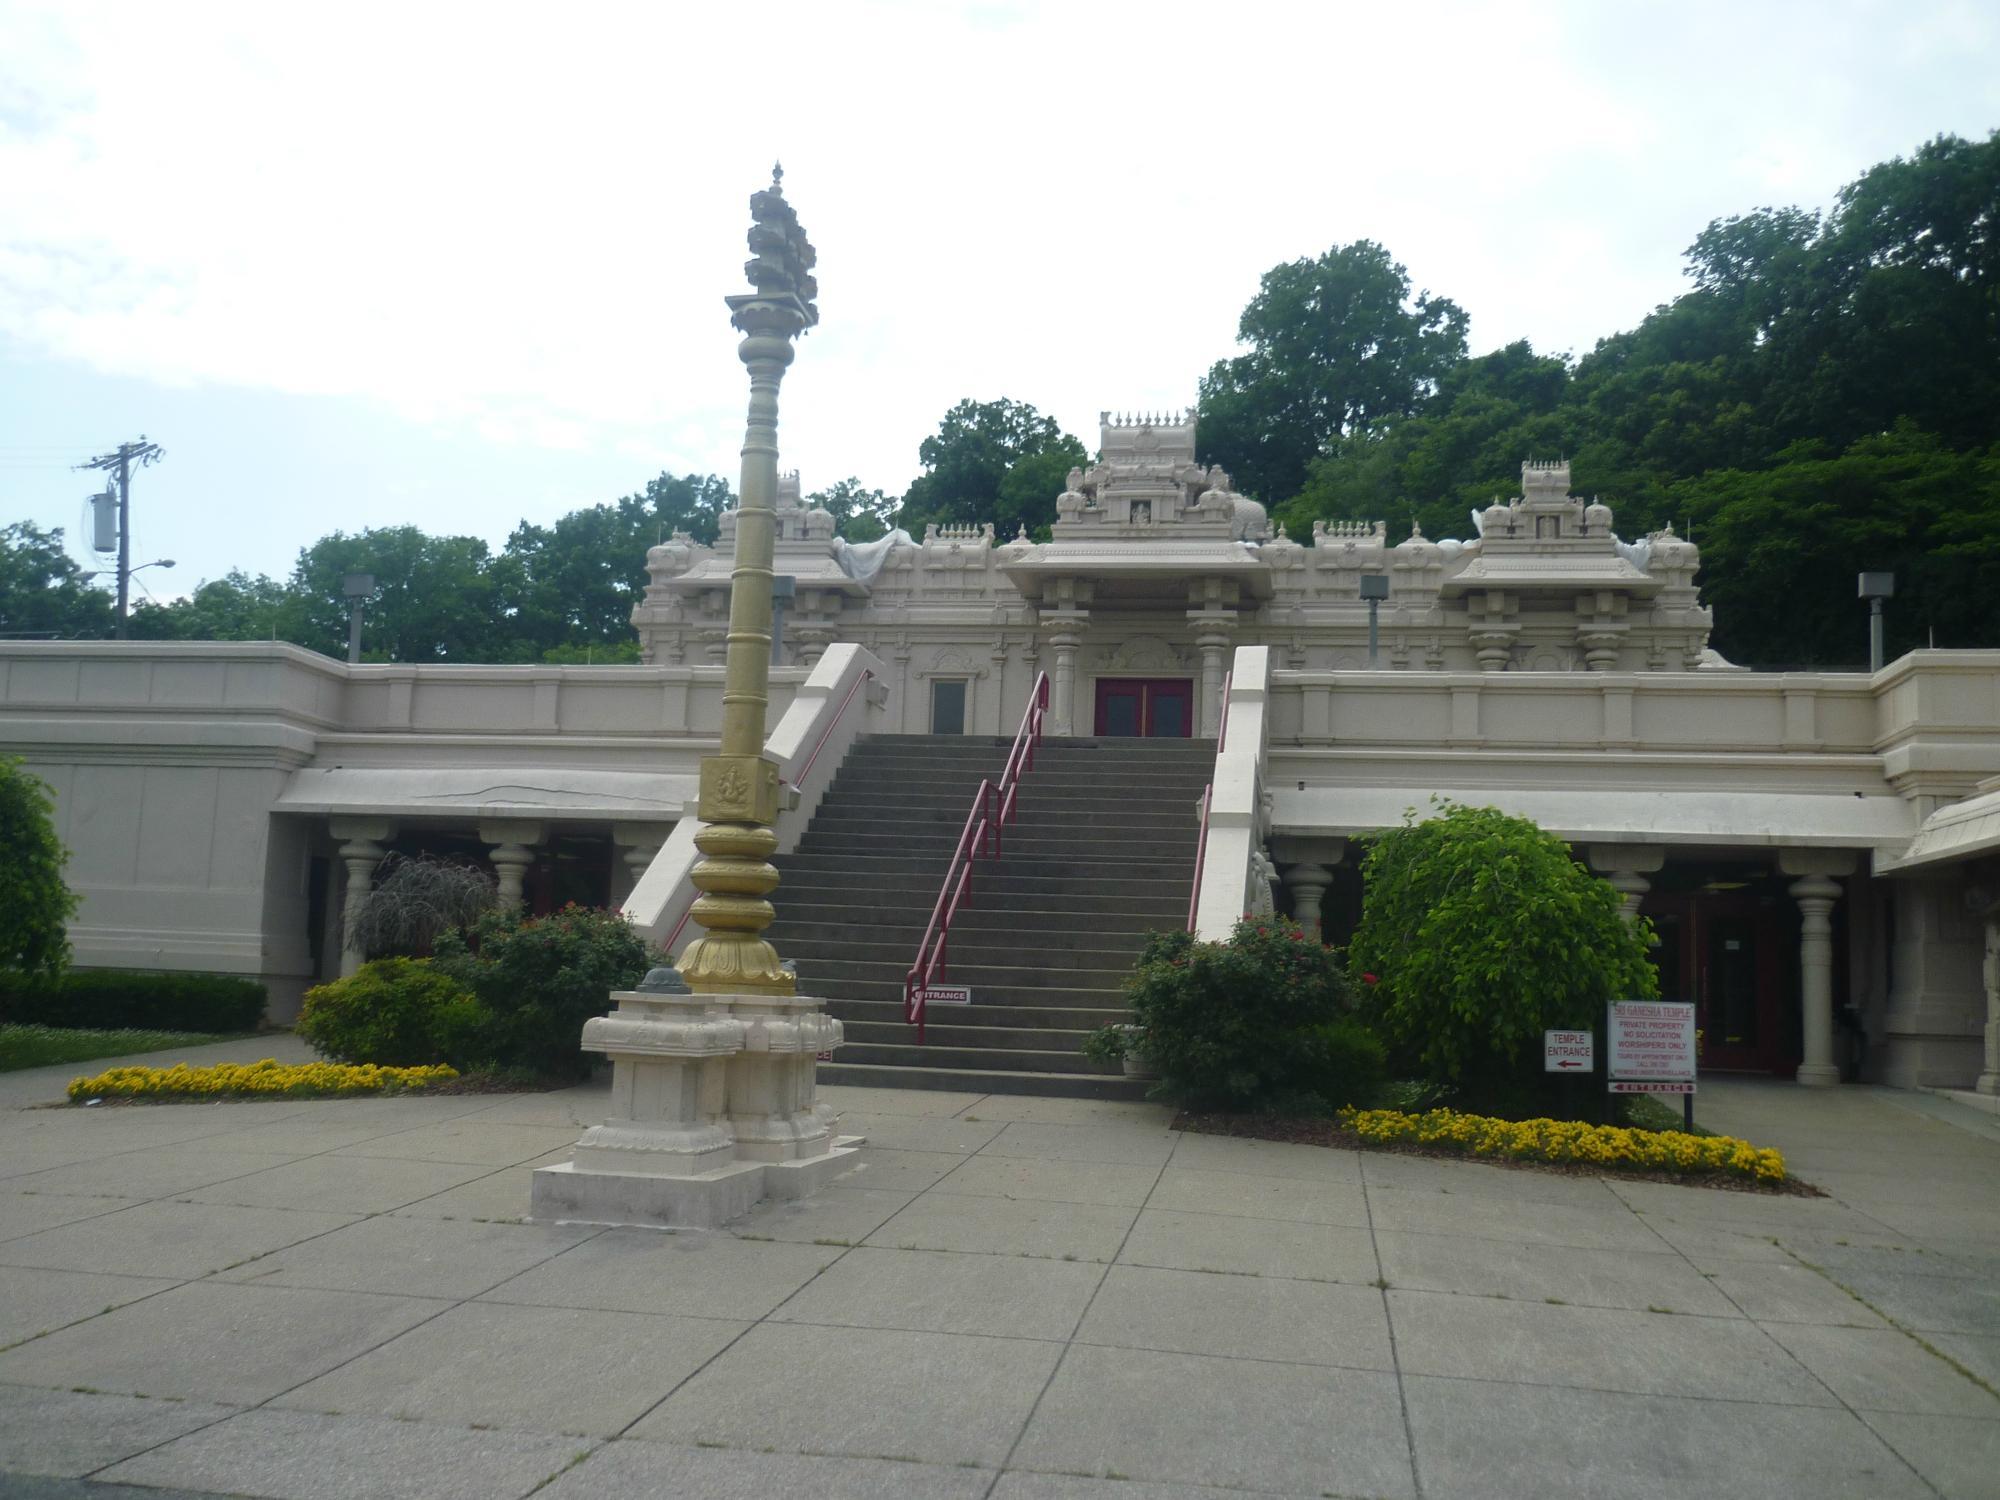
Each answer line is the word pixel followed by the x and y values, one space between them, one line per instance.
pixel 1611 1147
pixel 258 1080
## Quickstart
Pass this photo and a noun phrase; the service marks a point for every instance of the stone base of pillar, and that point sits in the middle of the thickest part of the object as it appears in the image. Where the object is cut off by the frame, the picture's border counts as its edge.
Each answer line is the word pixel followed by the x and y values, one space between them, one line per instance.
pixel 1818 1075
pixel 714 1109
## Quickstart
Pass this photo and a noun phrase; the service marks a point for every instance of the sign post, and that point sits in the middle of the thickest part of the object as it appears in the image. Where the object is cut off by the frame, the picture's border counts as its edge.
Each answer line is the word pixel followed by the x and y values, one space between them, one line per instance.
pixel 1652 1050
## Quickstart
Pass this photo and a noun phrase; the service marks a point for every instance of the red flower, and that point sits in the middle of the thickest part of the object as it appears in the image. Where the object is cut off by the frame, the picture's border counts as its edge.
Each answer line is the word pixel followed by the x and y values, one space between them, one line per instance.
pixel 1369 979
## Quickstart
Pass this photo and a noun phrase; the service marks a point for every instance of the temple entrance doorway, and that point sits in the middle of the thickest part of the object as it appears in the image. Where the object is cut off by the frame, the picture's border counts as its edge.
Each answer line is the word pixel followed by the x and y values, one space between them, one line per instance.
pixel 1724 950
pixel 1145 707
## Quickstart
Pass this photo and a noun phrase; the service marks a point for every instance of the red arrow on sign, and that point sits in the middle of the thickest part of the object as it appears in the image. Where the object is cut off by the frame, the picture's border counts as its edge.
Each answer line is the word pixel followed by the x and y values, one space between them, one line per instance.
pixel 1568 1062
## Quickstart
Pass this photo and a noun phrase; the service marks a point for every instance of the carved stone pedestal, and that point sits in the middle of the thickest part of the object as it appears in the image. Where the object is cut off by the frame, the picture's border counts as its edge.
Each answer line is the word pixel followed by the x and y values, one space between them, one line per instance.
pixel 714 1109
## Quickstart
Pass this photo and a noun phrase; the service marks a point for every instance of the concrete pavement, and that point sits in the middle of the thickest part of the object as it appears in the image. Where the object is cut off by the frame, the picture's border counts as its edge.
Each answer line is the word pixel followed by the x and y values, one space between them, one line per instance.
pixel 1019 1298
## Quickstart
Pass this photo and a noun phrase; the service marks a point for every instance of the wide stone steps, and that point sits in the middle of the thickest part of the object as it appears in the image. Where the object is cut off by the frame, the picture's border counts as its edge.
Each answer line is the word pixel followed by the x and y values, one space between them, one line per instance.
pixel 1099 855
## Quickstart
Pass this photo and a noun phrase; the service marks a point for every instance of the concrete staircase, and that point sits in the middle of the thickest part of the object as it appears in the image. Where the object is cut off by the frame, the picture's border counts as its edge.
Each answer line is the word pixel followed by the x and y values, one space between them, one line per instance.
pixel 1101 853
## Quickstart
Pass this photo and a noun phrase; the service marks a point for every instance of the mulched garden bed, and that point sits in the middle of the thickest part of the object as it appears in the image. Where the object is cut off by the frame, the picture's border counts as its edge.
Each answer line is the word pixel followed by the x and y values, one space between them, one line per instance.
pixel 1314 1130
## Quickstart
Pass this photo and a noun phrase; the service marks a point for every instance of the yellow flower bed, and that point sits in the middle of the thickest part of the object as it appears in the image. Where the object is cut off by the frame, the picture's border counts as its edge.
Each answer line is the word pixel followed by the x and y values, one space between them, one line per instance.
pixel 1609 1146
pixel 265 1079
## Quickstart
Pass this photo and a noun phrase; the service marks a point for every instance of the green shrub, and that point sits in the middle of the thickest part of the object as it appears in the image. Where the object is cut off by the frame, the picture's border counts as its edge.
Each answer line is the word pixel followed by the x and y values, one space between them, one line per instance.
pixel 1479 931
pixel 541 978
pixel 111 999
pixel 396 1012
pixel 1259 1022
pixel 35 905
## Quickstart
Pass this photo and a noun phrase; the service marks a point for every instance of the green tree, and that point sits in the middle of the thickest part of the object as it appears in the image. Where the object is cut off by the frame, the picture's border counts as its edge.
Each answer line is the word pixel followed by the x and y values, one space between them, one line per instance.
pixel 1791 538
pixel 234 607
pixel 436 598
pixel 1464 448
pixel 999 461
pixel 568 588
pixel 1478 931
pixel 43 592
pixel 1336 344
pixel 860 515
pixel 35 905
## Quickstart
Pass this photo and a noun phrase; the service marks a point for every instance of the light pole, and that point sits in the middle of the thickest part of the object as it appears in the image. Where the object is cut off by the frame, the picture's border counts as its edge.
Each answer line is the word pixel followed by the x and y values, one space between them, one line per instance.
pixel 739 787
pixel 1374 588
pixel 1875 587
pixel 355 587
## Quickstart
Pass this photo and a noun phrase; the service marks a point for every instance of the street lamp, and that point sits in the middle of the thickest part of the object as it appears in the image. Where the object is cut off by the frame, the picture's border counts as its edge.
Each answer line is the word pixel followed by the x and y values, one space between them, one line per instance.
pixel 355 587
pixel 1374 588
pixel 1875 587
pixel 738 801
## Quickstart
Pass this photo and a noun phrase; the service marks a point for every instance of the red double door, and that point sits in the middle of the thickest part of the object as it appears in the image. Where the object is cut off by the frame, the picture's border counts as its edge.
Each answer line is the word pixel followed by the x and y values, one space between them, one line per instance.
pixel 1145 707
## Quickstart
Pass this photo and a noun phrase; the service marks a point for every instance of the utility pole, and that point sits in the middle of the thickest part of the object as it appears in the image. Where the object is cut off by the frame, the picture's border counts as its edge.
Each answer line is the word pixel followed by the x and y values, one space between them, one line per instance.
pixel 122 461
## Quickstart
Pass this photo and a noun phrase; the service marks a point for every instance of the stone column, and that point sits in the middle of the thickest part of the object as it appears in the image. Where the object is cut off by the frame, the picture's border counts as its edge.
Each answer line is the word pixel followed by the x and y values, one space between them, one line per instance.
pixel 1063 641
pixel 512 845
pixel 361 851
pixel 1308 884
pixel 1816 895
pixel 1624 868
pixel 639 843
pixel 1214 644
pixel 1816 890
pixel 1989 1075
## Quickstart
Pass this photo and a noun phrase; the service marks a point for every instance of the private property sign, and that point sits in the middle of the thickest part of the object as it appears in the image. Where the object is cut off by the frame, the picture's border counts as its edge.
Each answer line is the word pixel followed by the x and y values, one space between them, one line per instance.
pixel 1568 1051
pixel 1652 1040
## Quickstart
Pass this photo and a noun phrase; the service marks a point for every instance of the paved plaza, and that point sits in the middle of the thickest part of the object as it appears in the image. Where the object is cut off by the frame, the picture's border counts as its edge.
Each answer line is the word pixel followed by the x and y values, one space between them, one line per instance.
pixel 1009 1297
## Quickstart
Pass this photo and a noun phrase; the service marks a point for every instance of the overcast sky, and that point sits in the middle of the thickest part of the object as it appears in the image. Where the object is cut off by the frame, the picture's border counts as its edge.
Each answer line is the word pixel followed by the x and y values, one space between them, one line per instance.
pixel 463 265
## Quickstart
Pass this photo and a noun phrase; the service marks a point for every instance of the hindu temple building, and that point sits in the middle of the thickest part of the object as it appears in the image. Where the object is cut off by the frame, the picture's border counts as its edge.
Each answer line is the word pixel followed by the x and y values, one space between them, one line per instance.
pixel 1819 852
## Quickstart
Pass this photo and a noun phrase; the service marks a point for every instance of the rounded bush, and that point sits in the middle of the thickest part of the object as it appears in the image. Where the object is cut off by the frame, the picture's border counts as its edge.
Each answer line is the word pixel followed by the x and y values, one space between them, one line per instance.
pixel 396 1012
pixel 1478 932
pixel 1259 1022
pixel 540 978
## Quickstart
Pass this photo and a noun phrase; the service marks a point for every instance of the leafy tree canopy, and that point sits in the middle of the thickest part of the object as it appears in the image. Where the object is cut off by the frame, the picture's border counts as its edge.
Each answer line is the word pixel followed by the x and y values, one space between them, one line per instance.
pixel 35 905
pixel 1336 344
pixel 1478 931
pixel 43 592
pixel 1826 396
pixel 999 461
pixel 860 515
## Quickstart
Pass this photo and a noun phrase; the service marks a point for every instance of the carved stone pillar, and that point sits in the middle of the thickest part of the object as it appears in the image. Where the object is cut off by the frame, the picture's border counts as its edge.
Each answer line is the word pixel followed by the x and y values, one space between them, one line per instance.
pixel 1816 895
pixel 638 843
pixel 360 851
pixel 1214 644
pixel 1624 868
pixel 1308 884
pixel 512 845
pixel 1816 890
pixel 1063 641
pixel 1989 1073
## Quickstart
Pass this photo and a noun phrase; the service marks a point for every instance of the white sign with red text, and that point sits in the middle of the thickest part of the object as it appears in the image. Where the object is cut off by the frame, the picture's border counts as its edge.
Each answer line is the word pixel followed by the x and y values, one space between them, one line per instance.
pixel 1568 1051
pixel 1652 1039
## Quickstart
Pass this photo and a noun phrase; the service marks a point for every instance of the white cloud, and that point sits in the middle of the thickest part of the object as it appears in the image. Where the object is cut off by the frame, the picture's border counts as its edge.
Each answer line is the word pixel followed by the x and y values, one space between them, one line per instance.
pixel 522 222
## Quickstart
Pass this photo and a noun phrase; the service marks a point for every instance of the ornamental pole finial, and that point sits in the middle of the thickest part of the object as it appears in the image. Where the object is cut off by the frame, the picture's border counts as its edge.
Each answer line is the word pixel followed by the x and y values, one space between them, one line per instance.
pixel 778 178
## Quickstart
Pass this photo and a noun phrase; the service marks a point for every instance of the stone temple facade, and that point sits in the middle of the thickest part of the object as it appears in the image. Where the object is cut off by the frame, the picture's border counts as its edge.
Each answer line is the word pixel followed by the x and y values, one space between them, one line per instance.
pixel 1819 852
pixel 1155 565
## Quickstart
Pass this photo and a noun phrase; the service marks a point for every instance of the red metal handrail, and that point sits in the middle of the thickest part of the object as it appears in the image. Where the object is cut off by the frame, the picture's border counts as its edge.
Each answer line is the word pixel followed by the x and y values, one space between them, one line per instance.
pixel 992 809
pixel 797 780
pixel 1207 795
pixel 1200 855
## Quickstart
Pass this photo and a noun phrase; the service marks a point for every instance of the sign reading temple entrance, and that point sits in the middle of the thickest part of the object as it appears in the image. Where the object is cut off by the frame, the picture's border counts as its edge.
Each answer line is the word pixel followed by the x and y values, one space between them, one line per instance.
pixel 1568 1051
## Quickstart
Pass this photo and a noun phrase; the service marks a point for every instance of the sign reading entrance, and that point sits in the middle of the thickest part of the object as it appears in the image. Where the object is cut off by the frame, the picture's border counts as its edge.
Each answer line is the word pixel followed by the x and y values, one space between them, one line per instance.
pixel 1652 1086
pixel 1568 1051
pixel 1652 1040
pixel 945 994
